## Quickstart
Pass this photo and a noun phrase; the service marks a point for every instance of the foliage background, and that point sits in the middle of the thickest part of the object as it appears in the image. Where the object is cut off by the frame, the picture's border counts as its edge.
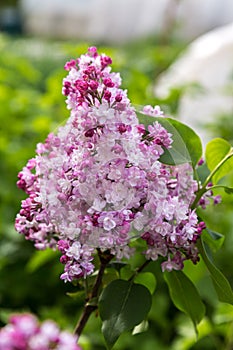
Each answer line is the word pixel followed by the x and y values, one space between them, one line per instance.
pixel 31 105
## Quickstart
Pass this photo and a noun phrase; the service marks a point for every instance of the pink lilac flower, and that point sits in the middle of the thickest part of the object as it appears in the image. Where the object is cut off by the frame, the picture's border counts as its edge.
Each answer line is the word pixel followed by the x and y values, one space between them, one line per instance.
pixel 100 178
pixel 23 332
pixel 152 111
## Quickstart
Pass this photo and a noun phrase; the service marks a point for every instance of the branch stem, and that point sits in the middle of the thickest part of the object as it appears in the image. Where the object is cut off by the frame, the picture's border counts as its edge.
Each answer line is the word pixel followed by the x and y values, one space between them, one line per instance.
pixel 140 268
pixel 90 306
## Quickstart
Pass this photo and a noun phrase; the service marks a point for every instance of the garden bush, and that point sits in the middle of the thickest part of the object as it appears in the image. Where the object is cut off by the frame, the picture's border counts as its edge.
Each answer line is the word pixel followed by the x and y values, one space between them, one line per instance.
pixel 32 106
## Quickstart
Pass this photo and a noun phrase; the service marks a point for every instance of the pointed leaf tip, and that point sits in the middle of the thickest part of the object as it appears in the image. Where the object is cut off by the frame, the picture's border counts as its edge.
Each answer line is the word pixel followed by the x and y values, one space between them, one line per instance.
pixel 122 306
pixel 185 296
pixel 221 284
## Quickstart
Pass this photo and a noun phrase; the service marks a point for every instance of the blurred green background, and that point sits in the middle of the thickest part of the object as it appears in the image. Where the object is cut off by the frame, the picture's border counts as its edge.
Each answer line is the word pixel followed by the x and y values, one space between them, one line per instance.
pixel 31 105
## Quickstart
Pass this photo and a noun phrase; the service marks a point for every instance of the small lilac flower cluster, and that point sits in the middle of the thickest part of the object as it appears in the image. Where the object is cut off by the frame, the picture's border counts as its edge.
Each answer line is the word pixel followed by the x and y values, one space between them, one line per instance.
pixel 23 332
pixel 209 197
pixel 99 184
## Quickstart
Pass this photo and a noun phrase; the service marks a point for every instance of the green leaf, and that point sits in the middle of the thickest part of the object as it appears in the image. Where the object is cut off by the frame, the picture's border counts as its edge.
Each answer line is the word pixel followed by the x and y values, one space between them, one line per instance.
pixel 216 151
pixel 228 190
pixel 185 295
pixel 122 306
pixel 213 239
pixel 78 296
pixel 186 146
pixel 40 258
pixel 147 279
pixel 221 284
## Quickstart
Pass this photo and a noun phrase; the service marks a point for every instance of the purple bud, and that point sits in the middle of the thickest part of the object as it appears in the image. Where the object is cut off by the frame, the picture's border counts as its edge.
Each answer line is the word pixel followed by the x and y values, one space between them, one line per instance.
pixel 92 51
pixel 122 128
pixel 64 259
pixel 105 61
pixel 107 95
pixel 90 133
pixel 201 162
pixel 93 85
pixel 118 97
pixel 108 82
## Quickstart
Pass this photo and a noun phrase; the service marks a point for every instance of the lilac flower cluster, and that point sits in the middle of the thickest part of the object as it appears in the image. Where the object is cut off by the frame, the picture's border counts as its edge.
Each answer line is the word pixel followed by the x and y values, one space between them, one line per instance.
pixel 99 184
pixel 23 332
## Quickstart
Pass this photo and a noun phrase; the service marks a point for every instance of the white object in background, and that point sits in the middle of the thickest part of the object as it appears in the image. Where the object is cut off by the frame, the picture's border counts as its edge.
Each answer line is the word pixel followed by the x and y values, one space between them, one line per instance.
pixel 195 17
pixel 118 21
pixel 207 62
pixel 102 20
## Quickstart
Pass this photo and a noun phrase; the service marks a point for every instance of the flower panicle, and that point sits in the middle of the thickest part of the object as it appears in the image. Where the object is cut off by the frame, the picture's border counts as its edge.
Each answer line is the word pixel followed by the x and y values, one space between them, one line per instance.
pixel 100 178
